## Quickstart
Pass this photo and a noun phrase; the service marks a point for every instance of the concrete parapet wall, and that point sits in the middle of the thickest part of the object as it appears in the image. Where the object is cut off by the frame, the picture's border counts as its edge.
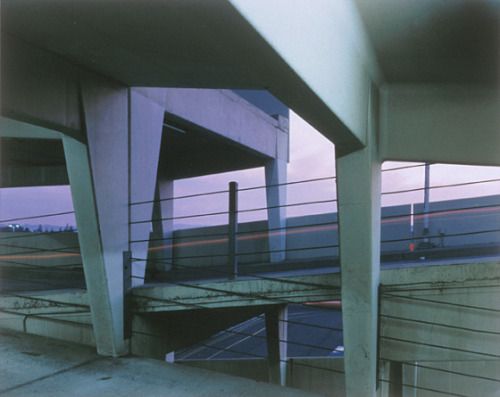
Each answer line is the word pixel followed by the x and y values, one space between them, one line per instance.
pixel 253 368
pixel 305 233
pixel 312 236
pixel 324 376
pixel 467 378
pixel 207 246
pixel 441 313
pixel 59 315
pixel 41 249
pixel 321 375
pixel 75 328
pixel 465 225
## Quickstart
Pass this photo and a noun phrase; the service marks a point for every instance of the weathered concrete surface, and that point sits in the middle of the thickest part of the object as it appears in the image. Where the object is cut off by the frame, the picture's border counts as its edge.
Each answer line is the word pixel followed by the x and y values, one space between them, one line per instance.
pixel 32 365
pixel 323 375
pixel 184 296
pixel 441 313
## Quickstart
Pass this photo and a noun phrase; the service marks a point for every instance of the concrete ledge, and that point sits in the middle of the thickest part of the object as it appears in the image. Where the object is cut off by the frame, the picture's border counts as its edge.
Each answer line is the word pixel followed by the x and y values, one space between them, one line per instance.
pixel 184 296
pixel 63 315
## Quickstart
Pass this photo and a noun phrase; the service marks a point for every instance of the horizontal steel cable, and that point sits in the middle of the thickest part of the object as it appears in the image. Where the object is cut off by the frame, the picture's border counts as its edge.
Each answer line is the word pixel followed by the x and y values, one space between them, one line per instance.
pixel 436 324
pixel 442 186
pixel 37 216
pixel 446 371
pixel 424 388
pixel 243 274
pixel 459 305
pixel 440 346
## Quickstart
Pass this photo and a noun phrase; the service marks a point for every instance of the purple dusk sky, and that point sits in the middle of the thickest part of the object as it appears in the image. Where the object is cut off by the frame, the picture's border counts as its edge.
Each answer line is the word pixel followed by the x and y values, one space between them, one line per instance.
pixel 311 156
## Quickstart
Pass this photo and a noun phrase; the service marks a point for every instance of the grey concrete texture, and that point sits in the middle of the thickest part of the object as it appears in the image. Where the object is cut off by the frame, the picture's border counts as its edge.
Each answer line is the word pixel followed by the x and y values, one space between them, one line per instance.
pixel 32 365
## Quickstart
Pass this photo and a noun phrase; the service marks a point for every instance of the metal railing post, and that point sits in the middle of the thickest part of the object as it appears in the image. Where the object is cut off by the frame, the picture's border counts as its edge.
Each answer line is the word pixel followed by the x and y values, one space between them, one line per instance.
pixel 127 286
pixel 232 246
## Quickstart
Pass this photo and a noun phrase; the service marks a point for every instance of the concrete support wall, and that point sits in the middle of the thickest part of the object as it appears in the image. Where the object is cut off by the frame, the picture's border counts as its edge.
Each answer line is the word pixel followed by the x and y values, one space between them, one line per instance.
pixel 441 327
pixel 358 186
pixel 440 123
pixel 453 323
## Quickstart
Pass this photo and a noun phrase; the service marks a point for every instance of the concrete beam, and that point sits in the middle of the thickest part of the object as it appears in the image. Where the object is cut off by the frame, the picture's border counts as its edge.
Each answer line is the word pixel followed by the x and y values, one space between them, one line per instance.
pixel 332 56
pixel 236 293
pixel 40 88
pixel 439 123
pixel 17 129
pixel 21 176
pixel 359 187
pixel 240 122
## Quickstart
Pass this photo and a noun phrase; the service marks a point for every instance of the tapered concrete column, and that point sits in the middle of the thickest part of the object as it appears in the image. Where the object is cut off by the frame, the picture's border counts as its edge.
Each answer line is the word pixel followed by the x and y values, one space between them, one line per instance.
pixel 146 125
pixel 276 337
pixel 98 174
pixel 410 379
pixel 163 228
pixel 358 186
pixel 276 178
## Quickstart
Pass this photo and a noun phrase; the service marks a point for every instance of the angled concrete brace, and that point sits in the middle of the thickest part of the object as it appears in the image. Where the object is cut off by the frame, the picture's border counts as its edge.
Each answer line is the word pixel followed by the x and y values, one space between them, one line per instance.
pixel 146 125
pixel 116 166
pixel 98 174
pixel 359 188
pixel 162 247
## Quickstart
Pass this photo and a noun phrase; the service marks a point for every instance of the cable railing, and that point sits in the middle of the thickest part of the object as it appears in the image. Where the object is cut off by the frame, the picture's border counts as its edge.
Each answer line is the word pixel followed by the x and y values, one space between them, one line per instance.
pixel 311 238
pixel 209 244
pixel 181 261
pixel 456 340
pixel 41 258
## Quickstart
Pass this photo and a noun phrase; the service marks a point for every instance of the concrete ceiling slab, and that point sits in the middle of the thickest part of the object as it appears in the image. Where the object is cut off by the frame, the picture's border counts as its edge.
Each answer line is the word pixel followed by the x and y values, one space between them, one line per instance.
pixel 209 44
pixel 196 43
pixel 198 152
pixel 435 41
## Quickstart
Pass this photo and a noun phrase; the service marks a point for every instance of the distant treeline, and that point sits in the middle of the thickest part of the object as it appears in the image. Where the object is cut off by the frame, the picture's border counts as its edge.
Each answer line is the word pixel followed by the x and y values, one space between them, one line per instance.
pixel 37 229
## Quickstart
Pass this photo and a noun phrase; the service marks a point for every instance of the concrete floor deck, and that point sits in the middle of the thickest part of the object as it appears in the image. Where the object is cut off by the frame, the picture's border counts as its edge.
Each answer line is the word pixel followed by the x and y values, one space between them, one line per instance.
pixel 32 365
